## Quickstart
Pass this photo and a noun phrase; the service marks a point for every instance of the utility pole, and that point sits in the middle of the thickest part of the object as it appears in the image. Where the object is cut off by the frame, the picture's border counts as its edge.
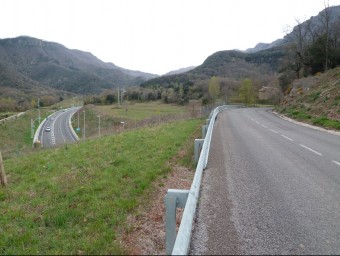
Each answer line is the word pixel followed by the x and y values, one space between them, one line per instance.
pixel 39 118
pixel 84 126
pixel 118 96
pixel 32 128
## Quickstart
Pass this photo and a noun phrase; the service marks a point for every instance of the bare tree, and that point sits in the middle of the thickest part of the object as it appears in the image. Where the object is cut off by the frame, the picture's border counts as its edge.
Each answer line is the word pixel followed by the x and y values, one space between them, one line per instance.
pixel 298 57
pixel 325 17
pixel 336 33
pixel 311 27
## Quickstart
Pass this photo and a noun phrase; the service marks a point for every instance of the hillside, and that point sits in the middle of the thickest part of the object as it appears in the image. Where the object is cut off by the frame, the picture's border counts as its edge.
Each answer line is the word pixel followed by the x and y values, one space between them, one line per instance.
pixel 309 28
pixel 17 90
pixel 31 66
pixel 231 64
pixel 301 52
pixel 231 67
pixel 315 100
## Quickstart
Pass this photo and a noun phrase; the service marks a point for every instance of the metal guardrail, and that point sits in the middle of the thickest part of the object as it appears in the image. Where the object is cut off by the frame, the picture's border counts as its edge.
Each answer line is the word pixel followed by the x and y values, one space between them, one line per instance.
pixel 71 127
pixel 187 199
pixel 11 117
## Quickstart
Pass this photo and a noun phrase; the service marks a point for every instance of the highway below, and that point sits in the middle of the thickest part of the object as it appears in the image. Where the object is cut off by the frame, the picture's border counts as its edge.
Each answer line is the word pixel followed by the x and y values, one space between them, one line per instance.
pixel 270 187
pixel 56 129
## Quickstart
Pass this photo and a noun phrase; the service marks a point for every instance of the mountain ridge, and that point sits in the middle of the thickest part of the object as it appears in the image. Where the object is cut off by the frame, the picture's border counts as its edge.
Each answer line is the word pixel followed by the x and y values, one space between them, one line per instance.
pixel 31 67
pixel 31 56
pixel 313 23
pixel 267 64
pixel 28 64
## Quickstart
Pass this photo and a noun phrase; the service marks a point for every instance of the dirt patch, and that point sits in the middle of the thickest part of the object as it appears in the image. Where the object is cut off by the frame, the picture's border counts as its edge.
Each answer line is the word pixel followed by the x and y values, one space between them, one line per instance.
pixel 146 235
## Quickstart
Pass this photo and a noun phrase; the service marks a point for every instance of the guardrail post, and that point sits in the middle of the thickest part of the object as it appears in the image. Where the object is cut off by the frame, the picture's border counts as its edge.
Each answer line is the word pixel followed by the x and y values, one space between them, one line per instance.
pixel 204 130
pixel 178 244
pixel 197 148
pixel 175 198
pixel 170 222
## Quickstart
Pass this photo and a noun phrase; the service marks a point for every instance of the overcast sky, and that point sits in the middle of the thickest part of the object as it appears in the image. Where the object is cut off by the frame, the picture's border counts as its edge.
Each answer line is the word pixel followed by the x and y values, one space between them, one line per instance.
pixel 154 36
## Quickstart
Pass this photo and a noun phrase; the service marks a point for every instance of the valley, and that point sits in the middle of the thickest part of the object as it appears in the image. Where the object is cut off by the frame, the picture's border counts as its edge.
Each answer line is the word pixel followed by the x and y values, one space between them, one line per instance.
pixel 115 140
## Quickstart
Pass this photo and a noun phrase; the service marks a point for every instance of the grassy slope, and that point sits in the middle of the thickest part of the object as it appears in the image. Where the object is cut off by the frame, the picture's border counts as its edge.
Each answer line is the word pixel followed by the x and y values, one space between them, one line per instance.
pixel 75 199
pixel 320 105
pixel 133 115
pixel 139 111
pixel 15 135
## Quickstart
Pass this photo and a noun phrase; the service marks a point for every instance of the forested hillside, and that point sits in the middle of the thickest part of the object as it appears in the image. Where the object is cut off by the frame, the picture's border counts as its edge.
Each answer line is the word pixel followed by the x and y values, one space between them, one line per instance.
pixel 31 67
pixel 310 47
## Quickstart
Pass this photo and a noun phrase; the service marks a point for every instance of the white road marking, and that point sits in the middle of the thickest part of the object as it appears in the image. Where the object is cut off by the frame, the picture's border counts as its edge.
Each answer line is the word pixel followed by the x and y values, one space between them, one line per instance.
pixel 257 122
pixel 61 130
pixel 264 126
pixel 287 137
pixel 336 162
pixel 52 129
pixel 273 131
pixel 312 150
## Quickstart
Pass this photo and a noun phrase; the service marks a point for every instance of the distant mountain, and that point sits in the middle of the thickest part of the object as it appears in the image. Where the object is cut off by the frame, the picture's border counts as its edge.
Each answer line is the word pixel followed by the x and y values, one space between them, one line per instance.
pixel 264 46
pixel 180 71
pixel 51 65
pixel 314 24
pixel 232 66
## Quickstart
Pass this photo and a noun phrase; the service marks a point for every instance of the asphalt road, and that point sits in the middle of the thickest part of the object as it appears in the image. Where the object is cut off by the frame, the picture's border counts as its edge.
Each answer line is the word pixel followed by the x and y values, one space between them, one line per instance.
pixel 60 131
pixel 270 187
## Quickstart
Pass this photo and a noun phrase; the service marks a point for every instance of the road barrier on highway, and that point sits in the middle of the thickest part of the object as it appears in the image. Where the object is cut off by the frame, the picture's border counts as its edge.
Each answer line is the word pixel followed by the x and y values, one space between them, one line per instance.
pixel 187 199
pixel 11 117
pixel 37 132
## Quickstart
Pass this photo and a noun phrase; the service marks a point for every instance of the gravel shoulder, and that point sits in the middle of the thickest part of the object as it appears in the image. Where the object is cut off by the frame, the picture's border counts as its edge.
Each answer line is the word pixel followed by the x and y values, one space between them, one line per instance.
pixel 214 205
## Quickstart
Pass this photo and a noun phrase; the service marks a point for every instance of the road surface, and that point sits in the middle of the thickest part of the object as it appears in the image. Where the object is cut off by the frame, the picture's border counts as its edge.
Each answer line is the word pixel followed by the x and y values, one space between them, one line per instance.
pixel 60 131
pixel 270 187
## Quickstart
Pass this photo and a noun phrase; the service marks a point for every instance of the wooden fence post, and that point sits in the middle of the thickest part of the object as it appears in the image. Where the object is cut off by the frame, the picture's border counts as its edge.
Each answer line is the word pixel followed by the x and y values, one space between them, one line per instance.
pixel 3 178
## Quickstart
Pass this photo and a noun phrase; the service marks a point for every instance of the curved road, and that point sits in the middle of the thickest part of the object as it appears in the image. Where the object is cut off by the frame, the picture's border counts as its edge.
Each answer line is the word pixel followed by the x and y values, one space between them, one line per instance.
pixel 270 187
pixel 60 131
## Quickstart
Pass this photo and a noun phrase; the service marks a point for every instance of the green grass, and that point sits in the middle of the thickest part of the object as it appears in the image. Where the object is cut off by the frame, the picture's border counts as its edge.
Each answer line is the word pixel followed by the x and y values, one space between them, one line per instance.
pixel 300 114
pixel 133 115
pixel 15 135
pixel 75 199
pixel 314 96
pixel 140 111
pixel 327 123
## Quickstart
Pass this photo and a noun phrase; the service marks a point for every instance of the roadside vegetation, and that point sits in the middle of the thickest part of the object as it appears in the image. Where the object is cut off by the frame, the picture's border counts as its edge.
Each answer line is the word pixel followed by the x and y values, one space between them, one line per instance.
pixel 116 118
pixel 75 199
pixel 315 100
pixel 16 134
